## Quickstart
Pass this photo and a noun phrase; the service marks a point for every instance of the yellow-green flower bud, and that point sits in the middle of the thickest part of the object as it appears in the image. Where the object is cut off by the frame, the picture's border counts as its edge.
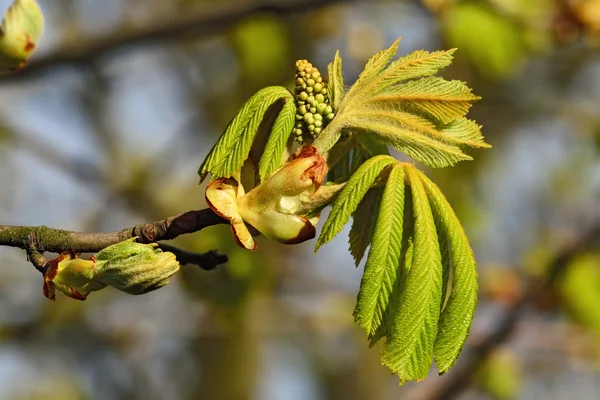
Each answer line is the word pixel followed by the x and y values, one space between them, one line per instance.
pixel 311 101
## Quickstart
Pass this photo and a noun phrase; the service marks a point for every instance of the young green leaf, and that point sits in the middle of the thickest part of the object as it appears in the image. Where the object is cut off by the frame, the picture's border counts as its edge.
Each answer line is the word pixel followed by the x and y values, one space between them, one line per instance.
pixel 437 98
pixel 349 198
pixel 20 33
pixel 374 66
pixel 335 85
pixel 399 103
pixel 455 320
pixel 445 253
pixel 365 216
pixel 423 148
pixel 464 132
pixel 380 275
pixel 409 351
pixel 404 264
pixel 364 220
pixel 272 157
pixel 418 64
pixel 232 149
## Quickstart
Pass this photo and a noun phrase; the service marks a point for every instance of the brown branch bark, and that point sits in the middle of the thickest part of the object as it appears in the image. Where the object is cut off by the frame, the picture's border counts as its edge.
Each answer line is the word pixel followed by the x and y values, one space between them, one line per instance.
pixel 207 261
pixel 459 378
pixel 195 25
pixel 38 239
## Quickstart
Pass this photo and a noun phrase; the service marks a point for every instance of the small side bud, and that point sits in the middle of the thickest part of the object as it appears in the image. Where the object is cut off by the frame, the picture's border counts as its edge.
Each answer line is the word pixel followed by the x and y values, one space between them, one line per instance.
pixel 70 275
pixel 20 33
pixel 135 268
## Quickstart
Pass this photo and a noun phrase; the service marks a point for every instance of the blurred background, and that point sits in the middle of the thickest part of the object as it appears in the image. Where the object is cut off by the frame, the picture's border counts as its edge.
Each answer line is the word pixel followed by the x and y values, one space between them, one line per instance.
pixel 123 100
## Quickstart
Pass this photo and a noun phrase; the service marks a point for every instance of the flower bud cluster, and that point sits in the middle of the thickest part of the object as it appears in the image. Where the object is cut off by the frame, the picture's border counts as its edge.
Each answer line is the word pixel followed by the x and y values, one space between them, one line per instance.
pixel 313 110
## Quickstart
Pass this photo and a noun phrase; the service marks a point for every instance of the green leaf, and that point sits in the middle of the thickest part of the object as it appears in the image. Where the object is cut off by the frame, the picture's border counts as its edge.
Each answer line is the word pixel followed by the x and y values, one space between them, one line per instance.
pixel 423 148
pixel 409 351
pixel 445 253
pixel 380 275
pixel 365 216
pixel 364 220
pixel 404 265
pixel 335 85
pixel 418 64
pixel 374 66
pixel 20 33
pixel 349 198
pixel 232 149
pixel 399 103
pixel 455 320
pixel 464 132
pixel 272 157
pixel 437 98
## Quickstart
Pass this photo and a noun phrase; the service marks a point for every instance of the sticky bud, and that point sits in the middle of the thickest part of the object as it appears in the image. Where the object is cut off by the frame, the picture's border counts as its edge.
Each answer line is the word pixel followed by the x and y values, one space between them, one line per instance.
pixel 20 33
pixel 135 268
pixel 131 267
pixel 272 207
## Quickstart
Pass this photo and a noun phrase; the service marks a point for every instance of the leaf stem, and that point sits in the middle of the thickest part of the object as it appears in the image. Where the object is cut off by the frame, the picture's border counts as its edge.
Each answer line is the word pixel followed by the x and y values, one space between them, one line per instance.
pixel 329 137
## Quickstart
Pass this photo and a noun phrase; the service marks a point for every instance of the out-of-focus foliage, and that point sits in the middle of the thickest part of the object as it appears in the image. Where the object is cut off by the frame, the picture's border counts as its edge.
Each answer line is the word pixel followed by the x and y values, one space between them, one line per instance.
pixel 105 145
pixel 263 49
pixel 580 290
pixel 496 45
pixel 501 374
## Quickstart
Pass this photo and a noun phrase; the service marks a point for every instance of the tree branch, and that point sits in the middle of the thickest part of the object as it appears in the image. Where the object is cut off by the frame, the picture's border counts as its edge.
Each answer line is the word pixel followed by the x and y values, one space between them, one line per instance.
pixel 207 261
pixel 34 256
pixel 38 239
pixel 196 25
pixel 476 355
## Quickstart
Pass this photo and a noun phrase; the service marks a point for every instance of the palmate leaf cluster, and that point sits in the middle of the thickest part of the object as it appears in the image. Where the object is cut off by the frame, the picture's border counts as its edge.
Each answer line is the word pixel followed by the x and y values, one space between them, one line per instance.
pixel 419 287
pixel 400 103
pixel 416 245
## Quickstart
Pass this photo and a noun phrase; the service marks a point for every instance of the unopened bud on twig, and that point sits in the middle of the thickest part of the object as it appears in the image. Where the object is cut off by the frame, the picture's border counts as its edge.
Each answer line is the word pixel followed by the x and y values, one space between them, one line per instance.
pixel 284 208
pixel 20 32
pixel 134 268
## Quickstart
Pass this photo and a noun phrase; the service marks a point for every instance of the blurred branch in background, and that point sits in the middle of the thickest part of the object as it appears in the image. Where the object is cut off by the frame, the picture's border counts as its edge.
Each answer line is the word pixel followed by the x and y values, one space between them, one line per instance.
pixel 246 328
pixel 196 25
pixel 459 379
